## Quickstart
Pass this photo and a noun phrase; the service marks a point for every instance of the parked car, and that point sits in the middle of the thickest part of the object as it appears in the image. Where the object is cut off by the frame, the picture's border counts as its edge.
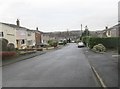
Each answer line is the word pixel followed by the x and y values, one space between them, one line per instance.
pixel 44 44
pixel 73 41
pixel 81 44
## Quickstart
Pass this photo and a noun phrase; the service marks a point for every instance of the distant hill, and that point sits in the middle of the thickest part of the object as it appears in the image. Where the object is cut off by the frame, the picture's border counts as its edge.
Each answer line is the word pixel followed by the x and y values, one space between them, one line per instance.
pixel 65 34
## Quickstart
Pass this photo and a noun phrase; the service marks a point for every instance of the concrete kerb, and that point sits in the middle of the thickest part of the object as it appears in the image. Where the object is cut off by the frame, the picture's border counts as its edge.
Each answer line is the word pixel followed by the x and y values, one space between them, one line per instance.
pixel 99 78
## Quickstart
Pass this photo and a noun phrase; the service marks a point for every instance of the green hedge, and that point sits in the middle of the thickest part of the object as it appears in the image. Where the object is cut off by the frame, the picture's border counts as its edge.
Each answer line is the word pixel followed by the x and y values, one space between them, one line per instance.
pixel 53 43
pixel 110 42
pixel 85 40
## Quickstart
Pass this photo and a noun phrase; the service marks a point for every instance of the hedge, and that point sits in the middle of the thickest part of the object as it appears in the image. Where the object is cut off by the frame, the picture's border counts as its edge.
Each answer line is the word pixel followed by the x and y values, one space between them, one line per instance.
pixel 7 54
pixel 53 43
pixel 110 42
pixel 85 39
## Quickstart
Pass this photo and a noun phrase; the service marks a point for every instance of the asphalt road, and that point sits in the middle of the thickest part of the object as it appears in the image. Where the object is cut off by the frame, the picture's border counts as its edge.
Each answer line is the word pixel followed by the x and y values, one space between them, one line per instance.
pixel 66 67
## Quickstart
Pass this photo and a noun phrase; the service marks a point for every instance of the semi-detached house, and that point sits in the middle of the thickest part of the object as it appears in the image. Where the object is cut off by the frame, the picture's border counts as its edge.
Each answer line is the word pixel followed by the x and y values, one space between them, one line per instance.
pixel 21 37
pixel 8 32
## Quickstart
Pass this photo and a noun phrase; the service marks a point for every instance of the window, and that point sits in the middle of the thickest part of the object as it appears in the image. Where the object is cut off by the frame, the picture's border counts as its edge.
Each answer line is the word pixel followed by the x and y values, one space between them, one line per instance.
pixel 1 34
pixel 29 34
pixel 23 42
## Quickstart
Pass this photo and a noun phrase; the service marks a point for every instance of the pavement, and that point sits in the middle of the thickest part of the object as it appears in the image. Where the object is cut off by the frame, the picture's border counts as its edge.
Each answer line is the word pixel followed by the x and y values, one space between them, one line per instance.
pixel 106 65
pixel 66 67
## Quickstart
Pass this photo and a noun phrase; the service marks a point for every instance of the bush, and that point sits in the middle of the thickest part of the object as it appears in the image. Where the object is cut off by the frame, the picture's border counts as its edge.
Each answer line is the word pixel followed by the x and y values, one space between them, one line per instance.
pixel 53 43
pixel 11 47
pixel 99 48
pixel 5 48
pixel 3 44
pixel 62 42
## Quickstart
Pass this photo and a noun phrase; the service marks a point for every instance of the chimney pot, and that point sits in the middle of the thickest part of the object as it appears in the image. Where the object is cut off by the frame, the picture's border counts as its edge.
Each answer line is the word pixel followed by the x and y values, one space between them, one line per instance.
pixel 18 22
pixel 37 28
pixel 106 27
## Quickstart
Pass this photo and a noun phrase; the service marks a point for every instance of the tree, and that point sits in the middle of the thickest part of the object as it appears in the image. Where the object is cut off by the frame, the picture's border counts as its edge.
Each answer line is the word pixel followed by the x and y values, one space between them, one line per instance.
pixel 86 32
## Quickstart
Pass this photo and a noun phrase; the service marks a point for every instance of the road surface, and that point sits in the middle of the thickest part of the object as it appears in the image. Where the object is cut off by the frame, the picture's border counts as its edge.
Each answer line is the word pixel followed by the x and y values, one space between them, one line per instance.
pixel 66 67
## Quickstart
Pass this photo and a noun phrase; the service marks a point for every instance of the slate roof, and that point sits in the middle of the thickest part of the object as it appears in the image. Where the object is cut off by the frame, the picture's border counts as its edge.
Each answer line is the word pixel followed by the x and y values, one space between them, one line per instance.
pixel 13 25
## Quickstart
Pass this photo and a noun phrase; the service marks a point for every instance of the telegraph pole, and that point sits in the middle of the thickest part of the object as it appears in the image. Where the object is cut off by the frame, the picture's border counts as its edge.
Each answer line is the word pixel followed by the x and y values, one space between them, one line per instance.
pixel 81 29
pixel 119 18
pixel 118 27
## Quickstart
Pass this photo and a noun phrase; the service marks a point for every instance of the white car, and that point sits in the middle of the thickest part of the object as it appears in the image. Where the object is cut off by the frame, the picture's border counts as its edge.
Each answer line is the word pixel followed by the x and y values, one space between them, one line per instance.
pixel 81 44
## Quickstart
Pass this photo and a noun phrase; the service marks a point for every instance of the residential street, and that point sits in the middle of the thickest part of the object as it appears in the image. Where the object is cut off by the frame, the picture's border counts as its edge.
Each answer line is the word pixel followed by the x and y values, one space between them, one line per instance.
pixel 66 67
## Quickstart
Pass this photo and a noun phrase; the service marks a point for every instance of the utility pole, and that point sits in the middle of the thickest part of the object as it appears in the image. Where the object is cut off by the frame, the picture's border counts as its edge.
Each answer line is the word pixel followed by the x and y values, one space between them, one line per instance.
pixel 81 29
pixel 119 18
pixel 118 26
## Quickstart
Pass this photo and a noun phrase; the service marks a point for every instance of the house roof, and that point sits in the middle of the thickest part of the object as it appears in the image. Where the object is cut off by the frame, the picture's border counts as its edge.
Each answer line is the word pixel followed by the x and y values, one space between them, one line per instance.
pixel 115 26
pixel 15 26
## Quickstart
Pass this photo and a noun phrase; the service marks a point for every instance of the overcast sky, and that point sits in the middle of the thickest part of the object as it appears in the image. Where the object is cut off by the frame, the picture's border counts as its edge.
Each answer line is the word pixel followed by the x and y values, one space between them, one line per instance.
pixel 60 15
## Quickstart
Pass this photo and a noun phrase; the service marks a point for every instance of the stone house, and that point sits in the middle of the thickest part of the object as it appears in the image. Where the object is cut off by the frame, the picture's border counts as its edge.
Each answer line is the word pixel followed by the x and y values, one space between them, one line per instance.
pixel 8 32
pixel 113 31
pixel 45 37
pixel 21 37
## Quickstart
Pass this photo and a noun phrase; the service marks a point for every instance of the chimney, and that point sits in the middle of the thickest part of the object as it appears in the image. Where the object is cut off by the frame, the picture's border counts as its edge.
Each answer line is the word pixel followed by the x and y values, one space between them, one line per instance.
pixel 106 27
pixel 37 28
pixel 18 22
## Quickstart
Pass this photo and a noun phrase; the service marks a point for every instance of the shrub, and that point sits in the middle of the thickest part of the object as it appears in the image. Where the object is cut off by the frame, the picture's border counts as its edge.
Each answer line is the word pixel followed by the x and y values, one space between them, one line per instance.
pixel 7 54
pixel 99 48
pixel 11 47
pixel 53 43
pixel 62 42
pixel 85 40
pixel 3 44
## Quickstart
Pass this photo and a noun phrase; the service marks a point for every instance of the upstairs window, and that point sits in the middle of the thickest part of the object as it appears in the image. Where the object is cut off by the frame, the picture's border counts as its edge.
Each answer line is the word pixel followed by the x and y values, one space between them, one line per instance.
pixel 23 42
pixel 29 34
